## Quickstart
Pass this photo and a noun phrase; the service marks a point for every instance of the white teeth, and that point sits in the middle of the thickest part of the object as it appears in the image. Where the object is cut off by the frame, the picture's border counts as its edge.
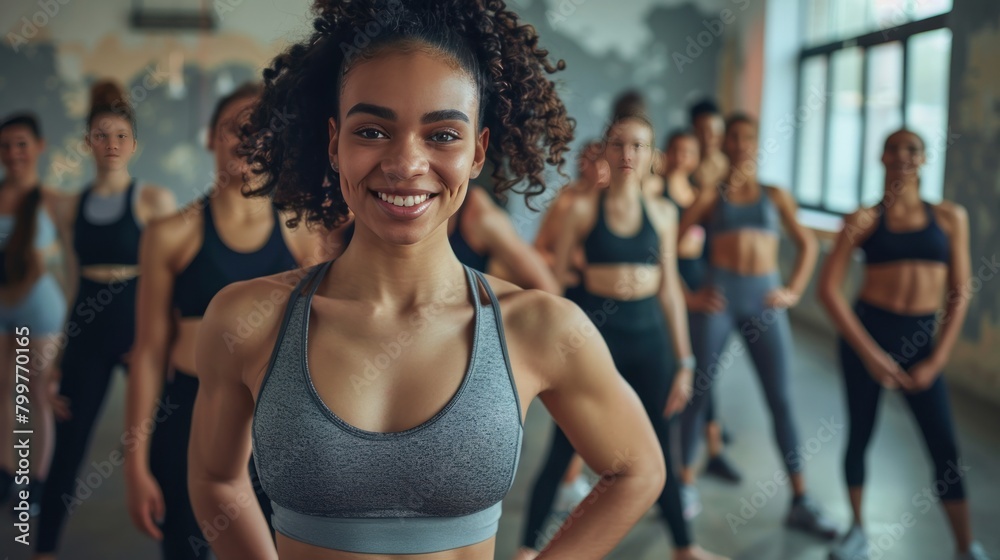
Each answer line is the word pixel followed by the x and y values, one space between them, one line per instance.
pixel 403 201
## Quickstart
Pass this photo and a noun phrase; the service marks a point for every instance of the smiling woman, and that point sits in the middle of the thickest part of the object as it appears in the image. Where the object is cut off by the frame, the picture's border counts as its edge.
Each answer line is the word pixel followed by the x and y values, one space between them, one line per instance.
pixel 386 405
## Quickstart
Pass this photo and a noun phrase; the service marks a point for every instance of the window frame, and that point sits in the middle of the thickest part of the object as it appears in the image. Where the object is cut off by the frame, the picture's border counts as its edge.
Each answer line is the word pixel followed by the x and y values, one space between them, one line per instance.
pixel 902 34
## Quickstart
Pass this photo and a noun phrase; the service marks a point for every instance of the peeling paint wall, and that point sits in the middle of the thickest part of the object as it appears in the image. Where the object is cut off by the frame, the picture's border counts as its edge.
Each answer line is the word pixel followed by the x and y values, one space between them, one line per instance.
pixel 669 49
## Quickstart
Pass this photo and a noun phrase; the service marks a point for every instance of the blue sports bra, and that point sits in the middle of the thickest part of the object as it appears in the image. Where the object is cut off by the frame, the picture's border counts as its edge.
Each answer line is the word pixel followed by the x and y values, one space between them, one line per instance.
pixel 927 244
pixel 434 487
pixel 759 214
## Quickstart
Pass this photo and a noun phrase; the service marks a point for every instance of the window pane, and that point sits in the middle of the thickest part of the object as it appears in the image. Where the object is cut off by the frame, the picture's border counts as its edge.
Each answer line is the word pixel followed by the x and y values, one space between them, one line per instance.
pixel 928 59
pixel 926 8
pixel 833 20
pixel 809 119
pixel 883 111
pixel 844 138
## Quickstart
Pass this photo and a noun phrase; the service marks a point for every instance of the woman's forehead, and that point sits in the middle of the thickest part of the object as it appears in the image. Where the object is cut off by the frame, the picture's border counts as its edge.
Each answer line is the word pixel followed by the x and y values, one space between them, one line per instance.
pixel 414 81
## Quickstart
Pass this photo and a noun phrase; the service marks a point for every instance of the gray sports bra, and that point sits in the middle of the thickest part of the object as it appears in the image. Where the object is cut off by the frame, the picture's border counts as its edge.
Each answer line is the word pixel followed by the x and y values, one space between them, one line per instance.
pixel 433 487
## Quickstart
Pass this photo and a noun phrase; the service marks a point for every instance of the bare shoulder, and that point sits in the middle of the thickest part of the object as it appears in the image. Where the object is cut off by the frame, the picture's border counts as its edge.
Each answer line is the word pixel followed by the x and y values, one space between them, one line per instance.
pixel 860 224
pixel 61 205
pixel 157 196
pixel 952 216
pixel 780 196
pixel 536 321
pixel 169 235
pixel 244 318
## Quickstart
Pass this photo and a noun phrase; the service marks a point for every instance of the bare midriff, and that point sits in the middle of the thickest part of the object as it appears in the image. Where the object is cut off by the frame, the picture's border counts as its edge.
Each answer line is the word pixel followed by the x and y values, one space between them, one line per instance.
pixel 107 273
pixel 747 252
pixel 622 281
pixel 905 287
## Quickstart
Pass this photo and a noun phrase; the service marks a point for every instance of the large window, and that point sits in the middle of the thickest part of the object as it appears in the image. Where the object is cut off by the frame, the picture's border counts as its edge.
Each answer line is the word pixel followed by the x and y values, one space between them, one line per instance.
pixel 872 66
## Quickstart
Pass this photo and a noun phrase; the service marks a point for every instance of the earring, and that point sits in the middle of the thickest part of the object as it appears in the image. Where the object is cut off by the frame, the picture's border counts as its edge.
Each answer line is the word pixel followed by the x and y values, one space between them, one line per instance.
pixel 334 167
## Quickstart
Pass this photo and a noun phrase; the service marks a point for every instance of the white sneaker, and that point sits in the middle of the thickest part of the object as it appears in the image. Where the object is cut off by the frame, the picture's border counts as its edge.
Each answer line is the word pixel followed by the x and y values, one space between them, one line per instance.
pixel 853 545
pixel 690 501
pixel 975 552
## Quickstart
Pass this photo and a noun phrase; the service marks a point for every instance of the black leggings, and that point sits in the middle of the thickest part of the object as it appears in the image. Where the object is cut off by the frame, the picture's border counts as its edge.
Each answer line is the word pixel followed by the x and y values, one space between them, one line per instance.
pixel 909 339
pixel 168 455
pixel 642 349
pixel 99 332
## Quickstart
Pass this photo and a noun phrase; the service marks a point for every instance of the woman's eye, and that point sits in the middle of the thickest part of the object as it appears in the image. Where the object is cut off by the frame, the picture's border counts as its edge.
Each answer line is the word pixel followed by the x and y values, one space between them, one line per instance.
pixel 444 136
pixel 370 134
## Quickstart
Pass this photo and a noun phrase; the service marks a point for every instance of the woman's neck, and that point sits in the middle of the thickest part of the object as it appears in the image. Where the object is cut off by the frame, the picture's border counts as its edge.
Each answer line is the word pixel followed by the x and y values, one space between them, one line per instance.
pixel 229 199
pixel 23 182
pixel 111 181
pixel 905 190
pixel 625 189
pixel 399 277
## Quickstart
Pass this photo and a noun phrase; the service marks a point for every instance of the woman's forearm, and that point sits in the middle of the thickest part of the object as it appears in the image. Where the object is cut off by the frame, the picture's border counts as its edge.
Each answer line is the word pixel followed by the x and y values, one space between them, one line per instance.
pixel 805 263
pixel 847 324
pixel 143 386
pixel 956 306
pixel 604 517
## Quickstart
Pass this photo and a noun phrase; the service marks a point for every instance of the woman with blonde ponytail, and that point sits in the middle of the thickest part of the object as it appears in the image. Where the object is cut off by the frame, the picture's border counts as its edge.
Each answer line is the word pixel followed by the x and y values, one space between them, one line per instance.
pixel 102 224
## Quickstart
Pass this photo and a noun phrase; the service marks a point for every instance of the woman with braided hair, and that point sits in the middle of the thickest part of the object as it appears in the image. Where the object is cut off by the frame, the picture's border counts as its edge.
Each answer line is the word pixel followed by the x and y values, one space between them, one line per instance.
pixel 384 400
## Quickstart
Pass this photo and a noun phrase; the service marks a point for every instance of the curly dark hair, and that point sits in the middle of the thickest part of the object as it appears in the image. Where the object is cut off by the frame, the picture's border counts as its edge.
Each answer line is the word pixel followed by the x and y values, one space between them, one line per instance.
pixel 528 124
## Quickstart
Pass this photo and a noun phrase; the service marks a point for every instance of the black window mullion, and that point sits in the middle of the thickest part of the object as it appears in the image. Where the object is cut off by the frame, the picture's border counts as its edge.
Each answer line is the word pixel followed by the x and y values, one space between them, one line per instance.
pixel 826 131
pixel 865 61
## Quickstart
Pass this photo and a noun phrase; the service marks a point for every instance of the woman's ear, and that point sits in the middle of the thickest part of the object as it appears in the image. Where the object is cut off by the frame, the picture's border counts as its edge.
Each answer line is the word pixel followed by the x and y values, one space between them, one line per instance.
pixel 480 158
pixel 332 148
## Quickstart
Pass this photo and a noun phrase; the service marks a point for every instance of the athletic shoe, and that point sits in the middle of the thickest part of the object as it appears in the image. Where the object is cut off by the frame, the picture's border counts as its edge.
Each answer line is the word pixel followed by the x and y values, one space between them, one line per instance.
pixel 975 552
pixel 690 501
pixel 806 515
pixel 720 467
pixel 853 545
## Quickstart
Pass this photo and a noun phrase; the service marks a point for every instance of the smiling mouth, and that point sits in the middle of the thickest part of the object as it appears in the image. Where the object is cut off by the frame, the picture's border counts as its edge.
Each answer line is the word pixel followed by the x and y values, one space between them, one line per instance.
pixel 405 201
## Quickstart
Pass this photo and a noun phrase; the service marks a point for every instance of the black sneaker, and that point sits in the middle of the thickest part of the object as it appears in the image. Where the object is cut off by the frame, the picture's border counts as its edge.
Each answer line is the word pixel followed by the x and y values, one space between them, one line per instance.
pixel 720 467
pixel 807 516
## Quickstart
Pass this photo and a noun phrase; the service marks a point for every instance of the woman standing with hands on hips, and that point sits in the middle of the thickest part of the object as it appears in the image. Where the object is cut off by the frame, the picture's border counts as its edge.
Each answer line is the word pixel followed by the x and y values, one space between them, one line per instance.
pixel 916 259
pixel 743 291
pixel 411 455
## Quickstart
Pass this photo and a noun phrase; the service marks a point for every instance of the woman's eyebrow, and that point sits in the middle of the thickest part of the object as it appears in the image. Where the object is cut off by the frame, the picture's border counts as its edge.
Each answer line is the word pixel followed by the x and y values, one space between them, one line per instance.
pixel 445 115
pixel 390 115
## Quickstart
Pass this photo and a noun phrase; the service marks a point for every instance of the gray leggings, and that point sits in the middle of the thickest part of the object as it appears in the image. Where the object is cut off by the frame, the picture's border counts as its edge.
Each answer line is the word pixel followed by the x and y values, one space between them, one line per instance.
pixel 768 337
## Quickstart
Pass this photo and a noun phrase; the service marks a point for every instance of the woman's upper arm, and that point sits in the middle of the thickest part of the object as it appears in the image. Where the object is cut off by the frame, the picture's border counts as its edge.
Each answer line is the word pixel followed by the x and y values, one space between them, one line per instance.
pixel 220 435
pixel 698 211
pixel 156 285
pixel 857 228
pixel 960 267
pixel 787 209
